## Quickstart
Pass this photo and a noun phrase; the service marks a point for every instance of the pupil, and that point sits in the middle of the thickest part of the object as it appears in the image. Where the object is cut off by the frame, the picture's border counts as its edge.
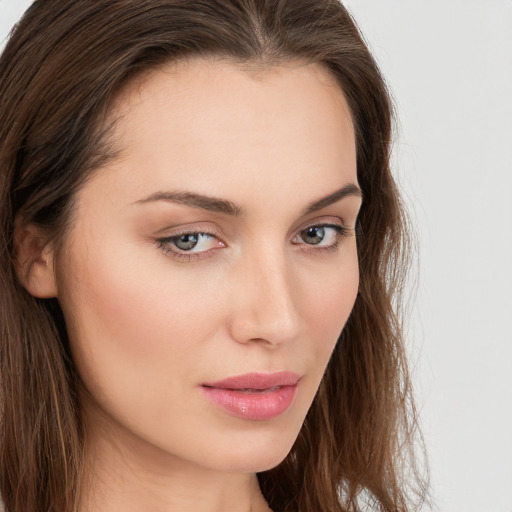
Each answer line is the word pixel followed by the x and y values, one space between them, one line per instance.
pixel 186 242
pixel 314 235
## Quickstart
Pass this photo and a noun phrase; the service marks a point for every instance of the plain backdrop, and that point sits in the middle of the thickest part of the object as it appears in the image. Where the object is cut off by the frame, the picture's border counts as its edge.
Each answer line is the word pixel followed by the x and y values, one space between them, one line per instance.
pixel 449 67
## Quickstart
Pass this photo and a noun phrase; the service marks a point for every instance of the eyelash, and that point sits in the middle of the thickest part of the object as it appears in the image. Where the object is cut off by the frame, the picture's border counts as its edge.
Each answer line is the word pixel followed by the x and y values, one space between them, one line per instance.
pixel 166 244
pixel 340 232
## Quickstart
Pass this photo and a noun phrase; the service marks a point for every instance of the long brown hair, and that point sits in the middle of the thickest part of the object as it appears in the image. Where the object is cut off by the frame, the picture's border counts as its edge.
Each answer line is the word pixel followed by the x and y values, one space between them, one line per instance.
pixel 64 64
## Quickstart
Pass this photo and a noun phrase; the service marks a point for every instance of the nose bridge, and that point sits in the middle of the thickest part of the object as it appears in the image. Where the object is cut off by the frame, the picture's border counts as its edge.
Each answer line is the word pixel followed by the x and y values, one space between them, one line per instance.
pixel 266 308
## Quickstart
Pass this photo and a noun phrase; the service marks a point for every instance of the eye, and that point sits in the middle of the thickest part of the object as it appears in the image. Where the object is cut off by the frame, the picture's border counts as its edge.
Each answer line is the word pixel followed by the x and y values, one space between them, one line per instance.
pixel 325 236
pixel 315 234
pixel 189 241
pixel 190 245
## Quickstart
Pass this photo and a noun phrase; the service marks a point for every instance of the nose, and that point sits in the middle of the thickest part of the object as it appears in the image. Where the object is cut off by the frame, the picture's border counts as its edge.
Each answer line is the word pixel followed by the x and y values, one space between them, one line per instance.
pixel 264 303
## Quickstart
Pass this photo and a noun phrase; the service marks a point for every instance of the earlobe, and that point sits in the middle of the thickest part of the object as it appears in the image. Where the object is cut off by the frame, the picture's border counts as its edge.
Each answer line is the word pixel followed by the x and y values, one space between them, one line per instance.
pixel 35 261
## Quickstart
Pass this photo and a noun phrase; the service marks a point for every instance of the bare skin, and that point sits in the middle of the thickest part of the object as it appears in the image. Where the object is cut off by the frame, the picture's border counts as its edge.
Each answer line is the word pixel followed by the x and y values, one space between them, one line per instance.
pixel 164 292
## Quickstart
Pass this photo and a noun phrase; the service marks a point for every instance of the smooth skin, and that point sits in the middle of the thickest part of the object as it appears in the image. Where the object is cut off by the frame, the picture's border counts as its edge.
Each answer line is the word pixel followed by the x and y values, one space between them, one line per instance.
pixel 163 290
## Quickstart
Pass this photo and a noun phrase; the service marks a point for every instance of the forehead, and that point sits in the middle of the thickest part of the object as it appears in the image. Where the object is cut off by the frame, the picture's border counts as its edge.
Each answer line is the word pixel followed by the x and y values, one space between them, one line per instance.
pixel 230 131
pixel 202 93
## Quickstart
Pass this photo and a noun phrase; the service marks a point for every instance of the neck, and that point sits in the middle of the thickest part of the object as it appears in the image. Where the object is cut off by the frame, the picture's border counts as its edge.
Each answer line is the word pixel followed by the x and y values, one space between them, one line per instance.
pixel 125 473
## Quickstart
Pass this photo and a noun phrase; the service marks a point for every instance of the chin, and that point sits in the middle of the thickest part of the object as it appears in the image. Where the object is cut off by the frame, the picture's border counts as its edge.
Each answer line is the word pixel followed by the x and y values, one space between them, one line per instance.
pixel 252 453
pixel 252 463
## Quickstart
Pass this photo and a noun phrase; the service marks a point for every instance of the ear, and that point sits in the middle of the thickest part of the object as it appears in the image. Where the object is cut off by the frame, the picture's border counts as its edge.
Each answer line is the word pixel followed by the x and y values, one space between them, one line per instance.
pixel 34 261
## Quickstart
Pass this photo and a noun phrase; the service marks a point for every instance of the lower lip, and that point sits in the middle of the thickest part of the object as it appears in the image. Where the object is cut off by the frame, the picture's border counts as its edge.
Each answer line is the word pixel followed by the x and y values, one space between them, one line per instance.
pixel 255 405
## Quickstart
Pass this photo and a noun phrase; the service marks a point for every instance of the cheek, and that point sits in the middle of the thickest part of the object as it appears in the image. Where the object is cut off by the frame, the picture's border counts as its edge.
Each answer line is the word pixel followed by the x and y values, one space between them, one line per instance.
pixel 326 309
pixel 144 333
pixel 331 302
pixel 133 326
pixel 153 313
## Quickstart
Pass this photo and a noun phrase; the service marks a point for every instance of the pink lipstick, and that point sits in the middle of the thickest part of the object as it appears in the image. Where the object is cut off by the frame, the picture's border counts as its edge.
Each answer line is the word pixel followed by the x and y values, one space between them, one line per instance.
pixel 254 396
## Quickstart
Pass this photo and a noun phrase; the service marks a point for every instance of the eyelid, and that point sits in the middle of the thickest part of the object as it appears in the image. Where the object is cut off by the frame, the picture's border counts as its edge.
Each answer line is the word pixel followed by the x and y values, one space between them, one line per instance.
pixel 339 228
pixel 325 220
pixel 192 227
pixel 334 223
pixel 164 237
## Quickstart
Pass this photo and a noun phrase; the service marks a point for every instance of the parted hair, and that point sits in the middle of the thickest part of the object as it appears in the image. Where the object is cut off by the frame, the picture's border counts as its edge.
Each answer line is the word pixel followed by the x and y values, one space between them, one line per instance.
pixel 62 68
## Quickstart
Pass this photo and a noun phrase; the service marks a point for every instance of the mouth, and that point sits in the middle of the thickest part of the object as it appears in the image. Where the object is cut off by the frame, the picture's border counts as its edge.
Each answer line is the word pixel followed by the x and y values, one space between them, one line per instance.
pixel 254 396
pixel 251 390
pixel 256 381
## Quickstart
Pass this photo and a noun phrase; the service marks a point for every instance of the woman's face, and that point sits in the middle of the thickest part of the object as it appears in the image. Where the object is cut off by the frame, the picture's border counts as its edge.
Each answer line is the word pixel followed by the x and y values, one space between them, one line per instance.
pixel 218 245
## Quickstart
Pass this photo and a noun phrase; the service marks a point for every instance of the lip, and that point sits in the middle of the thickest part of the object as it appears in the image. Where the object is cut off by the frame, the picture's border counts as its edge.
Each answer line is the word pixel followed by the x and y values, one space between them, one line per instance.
pixel 254 396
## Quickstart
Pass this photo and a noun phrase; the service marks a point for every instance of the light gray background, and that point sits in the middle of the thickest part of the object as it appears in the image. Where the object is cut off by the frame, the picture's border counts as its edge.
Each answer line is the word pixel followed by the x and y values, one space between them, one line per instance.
pixel 449 66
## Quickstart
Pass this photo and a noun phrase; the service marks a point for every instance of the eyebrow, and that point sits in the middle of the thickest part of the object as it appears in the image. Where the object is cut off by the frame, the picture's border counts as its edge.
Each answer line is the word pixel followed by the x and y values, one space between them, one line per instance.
pixel 196 201
pixel 348 190
pixel 218 205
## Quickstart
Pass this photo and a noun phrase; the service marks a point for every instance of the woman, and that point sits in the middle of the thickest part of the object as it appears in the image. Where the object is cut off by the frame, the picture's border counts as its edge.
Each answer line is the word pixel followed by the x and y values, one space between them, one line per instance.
pixel 189 321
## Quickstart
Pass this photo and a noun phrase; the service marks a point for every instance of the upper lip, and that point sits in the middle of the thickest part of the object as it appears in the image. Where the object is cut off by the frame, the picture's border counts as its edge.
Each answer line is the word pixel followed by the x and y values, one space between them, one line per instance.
pixel 256 381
